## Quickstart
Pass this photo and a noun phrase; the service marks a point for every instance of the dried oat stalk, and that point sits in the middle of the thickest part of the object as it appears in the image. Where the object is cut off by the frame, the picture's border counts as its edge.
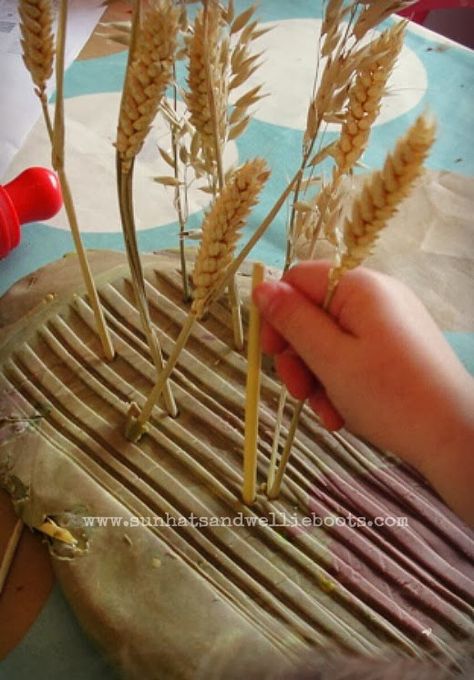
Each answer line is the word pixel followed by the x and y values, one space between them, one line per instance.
pixel 220 62
pixel 364 101
pixel 376 11
pixel 207 69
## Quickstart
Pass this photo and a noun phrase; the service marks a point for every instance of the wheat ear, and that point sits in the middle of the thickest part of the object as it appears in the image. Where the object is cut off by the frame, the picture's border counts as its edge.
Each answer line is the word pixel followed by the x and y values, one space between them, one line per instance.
pixel 221 231
pixel 381 196
pixel 37 41
pixel 365 96
pixel 149 72
pixel 207 101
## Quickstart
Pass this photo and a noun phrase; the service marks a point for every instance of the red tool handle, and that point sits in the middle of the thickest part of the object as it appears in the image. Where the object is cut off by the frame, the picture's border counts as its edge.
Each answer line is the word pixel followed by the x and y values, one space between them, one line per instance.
pixel 32 196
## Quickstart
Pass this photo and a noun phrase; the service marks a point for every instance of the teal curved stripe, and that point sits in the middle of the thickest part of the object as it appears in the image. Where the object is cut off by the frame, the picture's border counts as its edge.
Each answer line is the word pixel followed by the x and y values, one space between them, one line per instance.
pixel 463 345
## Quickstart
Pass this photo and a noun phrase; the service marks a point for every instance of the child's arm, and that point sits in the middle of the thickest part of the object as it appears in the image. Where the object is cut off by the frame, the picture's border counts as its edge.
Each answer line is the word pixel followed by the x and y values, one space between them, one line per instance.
pixel 378 363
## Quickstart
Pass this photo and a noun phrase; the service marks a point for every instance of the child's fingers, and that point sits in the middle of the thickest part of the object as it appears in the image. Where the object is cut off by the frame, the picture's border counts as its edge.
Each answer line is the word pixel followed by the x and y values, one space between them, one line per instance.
pixel 272 341
pixel 295 374
pixel 308 329
pixel 310 278
pixel 323 407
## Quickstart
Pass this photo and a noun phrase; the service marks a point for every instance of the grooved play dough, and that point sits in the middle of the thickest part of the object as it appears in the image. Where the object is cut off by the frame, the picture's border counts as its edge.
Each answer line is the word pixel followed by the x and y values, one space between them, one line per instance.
pixel 234 601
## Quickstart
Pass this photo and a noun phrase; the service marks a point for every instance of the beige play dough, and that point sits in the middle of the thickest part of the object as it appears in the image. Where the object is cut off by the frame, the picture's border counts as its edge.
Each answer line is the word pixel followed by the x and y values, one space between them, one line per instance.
pixel 182 602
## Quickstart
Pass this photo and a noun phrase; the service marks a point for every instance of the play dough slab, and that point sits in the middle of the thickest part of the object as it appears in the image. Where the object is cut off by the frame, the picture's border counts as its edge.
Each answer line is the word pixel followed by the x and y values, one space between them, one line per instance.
pixel 171 574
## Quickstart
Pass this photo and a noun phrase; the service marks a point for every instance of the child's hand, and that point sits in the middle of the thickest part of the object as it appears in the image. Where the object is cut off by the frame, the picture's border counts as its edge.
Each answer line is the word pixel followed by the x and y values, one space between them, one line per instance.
pixel 377 362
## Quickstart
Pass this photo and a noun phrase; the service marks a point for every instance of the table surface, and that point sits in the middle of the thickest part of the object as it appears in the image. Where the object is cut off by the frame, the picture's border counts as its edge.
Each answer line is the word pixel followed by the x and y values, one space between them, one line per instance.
pixel 430 245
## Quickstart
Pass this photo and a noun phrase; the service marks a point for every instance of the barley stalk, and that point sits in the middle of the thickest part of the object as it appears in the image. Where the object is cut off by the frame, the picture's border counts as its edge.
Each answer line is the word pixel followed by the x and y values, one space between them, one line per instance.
pixel 37 41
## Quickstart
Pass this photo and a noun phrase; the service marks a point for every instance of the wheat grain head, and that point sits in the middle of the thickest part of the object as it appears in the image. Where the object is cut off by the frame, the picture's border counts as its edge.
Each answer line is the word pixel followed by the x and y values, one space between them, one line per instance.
pixel 37 41
pixel 221 229
pixel 149 73
pixel 365 96
pixel 382 194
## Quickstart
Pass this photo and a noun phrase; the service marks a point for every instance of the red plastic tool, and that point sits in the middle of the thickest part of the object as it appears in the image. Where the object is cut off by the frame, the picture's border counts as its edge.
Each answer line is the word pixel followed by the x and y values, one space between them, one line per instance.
pixel 420 10
pixel 34 195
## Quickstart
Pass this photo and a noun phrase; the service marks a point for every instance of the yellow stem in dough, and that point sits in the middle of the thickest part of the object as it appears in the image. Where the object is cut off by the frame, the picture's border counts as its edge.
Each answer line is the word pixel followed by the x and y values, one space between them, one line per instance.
pixel 254 358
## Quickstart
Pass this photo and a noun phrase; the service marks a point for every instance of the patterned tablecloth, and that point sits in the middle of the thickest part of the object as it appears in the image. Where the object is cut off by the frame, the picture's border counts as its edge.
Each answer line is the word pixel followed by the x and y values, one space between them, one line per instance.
pixel 430 244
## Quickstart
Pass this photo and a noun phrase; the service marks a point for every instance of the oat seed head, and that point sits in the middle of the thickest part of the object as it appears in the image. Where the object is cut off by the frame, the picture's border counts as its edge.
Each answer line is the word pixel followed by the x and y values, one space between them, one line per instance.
pixel 221 229
pixel 37 40
pixel 149 73
pixel 375 12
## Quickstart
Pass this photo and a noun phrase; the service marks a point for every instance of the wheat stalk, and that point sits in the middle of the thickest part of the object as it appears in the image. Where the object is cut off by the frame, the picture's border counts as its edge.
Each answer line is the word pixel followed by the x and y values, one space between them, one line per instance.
pixel 57 136
pixel 37 41
pixel 149 73
pixel 252 393
pixel 221 231
pixel 381 196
